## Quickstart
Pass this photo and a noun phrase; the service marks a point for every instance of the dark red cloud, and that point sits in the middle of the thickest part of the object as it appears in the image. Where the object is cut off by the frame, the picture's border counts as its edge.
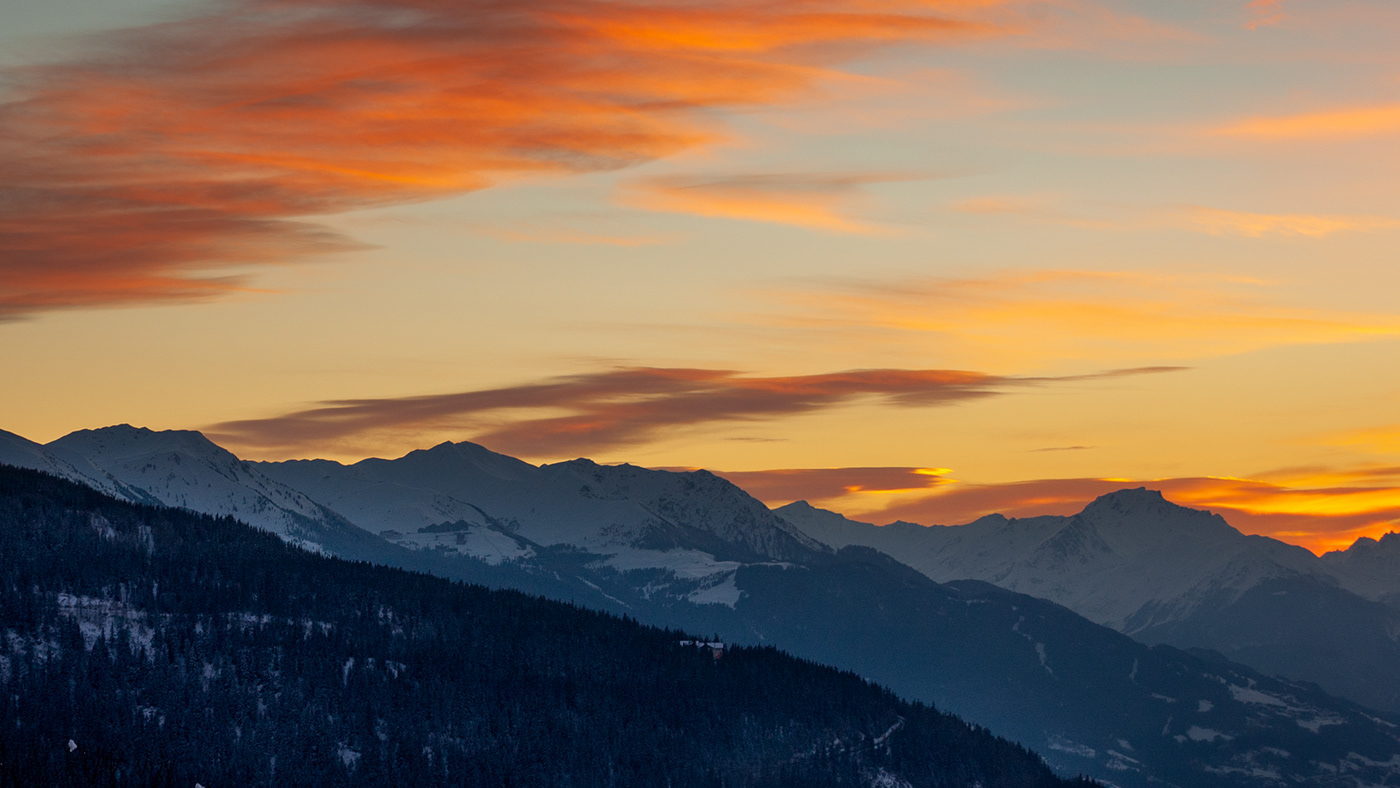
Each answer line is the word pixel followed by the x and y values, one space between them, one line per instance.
pixel 146 167
pixel 606 409
pixel 601 410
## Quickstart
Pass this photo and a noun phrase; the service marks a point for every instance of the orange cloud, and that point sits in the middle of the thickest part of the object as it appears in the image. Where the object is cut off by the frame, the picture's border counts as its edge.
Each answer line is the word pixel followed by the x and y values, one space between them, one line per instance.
pixel 1198 218
pixel 1078 315
pixel 1264 13
pixel 156 165
pixel 1079 25
pixel 780 487
pixel 1318 510
pixel 1334 124
pixel 1382 440
pixel 804 200
pixel 1257 225
pixel 572 416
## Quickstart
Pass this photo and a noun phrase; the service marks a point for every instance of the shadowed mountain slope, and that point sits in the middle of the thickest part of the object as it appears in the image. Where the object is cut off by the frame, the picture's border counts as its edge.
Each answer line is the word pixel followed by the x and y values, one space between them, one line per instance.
pixel 174 648
pixel 1163 573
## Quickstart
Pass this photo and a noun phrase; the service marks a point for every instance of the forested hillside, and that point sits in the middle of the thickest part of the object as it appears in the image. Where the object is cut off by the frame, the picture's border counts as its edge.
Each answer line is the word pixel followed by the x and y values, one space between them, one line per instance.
pixel 148 646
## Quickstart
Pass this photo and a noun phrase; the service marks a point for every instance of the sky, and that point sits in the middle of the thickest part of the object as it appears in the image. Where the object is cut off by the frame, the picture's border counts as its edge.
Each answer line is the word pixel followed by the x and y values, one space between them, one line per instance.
pixel 906 259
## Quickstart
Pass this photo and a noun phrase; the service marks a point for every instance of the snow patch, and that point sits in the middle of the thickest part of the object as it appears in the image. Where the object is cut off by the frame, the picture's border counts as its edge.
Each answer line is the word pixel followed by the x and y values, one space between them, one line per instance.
pixel 884 779
pixel 1040 652
pixel 490 545
pixel 1318 723
pixel 1062 744
pixel 106 618
pixel 726 593
pixel 1119 762
pixel 350 758
pixel 684 564
pixel 884 737
pixel 1247 695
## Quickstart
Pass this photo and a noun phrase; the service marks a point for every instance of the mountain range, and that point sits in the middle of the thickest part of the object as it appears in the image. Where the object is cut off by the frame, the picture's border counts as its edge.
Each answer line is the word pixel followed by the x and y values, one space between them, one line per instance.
pixel 692 551
pixel 1163 573
pixel 147 646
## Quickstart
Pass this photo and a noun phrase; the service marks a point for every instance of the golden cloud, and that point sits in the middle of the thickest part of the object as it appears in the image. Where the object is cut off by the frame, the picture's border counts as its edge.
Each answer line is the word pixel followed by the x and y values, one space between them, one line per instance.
pixel 1100 316
pixel 1257 225
pixel 811 200
pixel 1329 125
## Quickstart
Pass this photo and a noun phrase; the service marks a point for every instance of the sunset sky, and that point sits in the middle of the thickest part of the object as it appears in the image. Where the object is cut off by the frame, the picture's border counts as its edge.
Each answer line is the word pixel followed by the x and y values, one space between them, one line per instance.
pixel 907 259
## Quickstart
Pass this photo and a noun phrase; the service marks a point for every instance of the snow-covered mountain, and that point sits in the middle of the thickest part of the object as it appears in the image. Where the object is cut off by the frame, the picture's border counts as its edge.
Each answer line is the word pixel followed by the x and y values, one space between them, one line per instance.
pixel 186 470
pixel 1370 568
pixel 692 531
pixel 24 453
pixel 1130 560
pixel 579 503
pixel 1162 573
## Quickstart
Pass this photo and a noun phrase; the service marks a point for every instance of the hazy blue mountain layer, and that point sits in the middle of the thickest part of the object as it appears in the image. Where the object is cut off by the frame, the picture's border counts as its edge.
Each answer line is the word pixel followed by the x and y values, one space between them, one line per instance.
pixel 1164 573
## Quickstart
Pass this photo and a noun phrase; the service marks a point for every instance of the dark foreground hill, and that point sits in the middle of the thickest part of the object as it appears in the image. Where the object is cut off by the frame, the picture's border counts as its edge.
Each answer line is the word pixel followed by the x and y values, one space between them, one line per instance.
pixel 149 646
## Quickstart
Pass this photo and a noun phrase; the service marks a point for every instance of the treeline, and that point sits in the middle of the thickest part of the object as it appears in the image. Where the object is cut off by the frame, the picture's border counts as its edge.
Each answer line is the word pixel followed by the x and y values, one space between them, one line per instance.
pixel 146 646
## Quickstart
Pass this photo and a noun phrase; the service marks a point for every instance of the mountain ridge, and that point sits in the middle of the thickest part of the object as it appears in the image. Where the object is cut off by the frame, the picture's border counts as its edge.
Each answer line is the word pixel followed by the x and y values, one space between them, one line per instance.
pixel 203 650
pixel 655 545
pixel 1135 562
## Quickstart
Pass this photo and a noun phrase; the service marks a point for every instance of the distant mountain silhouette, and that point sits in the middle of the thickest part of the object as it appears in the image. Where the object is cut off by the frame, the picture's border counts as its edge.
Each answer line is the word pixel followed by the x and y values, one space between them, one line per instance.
pixel 1163 573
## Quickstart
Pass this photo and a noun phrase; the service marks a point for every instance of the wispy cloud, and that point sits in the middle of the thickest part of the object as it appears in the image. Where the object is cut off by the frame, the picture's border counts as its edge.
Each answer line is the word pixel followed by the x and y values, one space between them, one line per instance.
pixel 1049 209
pixel 1264 13
pixel 1102 28
pixel 779 487
pixel 1258 225
pixel 1067 315
pixel 153 166
pixel 1380 440
pixel 580 414
pixel 817 201
pixel 1351 122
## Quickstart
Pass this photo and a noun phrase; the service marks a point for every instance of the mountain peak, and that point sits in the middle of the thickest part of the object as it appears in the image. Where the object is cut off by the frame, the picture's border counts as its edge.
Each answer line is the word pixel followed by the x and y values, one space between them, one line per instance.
pixel 456 454
pixel 1131 499
pixel 1134 520
pixel 1139 502
pixel 1390 542
pixel 122 439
